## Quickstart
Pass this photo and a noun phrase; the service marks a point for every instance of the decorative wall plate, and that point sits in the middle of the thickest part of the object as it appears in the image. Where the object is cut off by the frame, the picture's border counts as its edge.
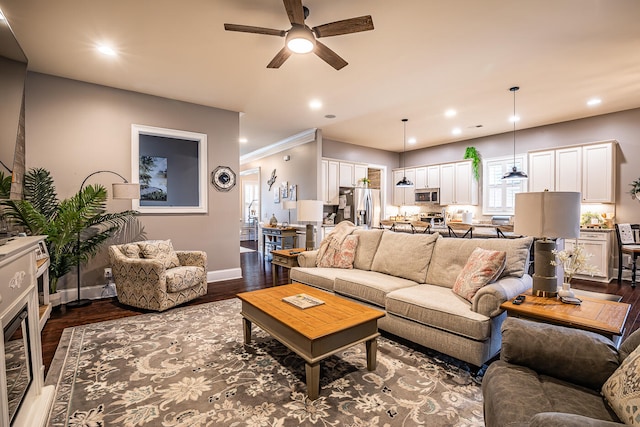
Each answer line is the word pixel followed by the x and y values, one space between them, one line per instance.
pixel 223 178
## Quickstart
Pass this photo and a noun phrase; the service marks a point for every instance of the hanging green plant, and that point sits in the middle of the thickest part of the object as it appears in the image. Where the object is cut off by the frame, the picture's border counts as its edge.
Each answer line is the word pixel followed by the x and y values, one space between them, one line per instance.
pixel 472 154
pixel 635 189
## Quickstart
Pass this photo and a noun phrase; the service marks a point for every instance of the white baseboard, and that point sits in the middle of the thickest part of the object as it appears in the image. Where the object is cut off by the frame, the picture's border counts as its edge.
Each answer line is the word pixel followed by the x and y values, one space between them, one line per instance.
pixel 228 274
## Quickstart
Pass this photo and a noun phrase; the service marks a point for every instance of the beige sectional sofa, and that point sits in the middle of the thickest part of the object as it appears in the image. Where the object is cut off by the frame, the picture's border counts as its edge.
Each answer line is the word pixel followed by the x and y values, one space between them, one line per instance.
pixel 411 277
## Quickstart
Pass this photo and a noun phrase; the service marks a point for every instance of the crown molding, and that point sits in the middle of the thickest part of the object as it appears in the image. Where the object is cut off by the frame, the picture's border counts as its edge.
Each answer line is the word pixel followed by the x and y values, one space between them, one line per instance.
pixel 304 137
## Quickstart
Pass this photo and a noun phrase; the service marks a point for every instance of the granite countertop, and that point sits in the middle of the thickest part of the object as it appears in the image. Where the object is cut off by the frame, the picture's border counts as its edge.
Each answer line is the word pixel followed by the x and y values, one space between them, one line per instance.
pixel 597 230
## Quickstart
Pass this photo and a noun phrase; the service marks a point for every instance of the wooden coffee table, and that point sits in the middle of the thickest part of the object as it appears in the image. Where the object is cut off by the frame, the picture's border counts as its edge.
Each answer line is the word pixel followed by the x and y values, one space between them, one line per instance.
pixel 312 333
pixel 596 315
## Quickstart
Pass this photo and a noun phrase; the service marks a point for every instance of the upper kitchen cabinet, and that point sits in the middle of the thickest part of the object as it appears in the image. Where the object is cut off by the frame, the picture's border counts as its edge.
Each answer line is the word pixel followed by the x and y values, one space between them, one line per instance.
pixel 457 184
pixel 428 177
pixel 351 174
pixel 404 196
pixel 589 169
pixel 421 177
pixel 598 177
pixel 330 172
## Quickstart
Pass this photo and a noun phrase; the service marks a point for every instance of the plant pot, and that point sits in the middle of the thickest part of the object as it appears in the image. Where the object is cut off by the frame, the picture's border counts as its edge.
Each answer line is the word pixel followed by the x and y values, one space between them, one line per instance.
pixel 565 291
pixel 54 299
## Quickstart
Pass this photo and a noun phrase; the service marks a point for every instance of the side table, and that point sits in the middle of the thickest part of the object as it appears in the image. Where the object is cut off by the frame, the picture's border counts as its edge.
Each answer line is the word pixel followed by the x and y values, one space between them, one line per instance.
pixel 285 258
pixel 598 315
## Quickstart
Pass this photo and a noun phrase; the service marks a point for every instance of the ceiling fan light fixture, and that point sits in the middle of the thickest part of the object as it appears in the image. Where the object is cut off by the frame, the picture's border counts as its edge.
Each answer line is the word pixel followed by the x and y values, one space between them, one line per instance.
pixel 300 39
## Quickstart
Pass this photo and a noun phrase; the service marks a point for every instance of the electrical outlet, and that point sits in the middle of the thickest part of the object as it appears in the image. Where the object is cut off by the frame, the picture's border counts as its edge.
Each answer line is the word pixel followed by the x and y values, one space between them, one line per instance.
pixel 108 273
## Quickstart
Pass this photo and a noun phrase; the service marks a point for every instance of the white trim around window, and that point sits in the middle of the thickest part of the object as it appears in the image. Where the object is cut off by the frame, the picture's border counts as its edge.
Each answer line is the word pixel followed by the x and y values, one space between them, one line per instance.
pixel 498 195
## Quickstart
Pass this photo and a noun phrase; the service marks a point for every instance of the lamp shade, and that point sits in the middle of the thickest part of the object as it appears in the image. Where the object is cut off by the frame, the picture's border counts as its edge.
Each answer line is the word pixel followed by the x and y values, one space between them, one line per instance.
pixel 289 204
pixel 549 214
pixel 126 190
pixel 310 210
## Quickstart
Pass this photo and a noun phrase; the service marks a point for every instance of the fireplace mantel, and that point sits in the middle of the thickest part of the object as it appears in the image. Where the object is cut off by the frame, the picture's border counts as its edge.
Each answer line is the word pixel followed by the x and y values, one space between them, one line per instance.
pixel 18 289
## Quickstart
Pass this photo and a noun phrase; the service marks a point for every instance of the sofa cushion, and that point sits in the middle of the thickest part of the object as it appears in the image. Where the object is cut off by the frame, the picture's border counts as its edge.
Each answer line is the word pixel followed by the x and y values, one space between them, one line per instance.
pixel 438 307
pixel 369 286
pixel 319 277
pixel 450 256
pixel 161 250
pixel 405 255
pixel 342 258
pixel 482 268
pixel 181 278
pixel 622 389
pixel 368 241
pixel 130 250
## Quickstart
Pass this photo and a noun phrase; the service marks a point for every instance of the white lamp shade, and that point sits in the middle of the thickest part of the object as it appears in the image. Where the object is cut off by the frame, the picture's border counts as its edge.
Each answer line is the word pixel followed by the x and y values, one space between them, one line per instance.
pixel 549 214
pixel 126 190
pixel 310 210
pixel 289 204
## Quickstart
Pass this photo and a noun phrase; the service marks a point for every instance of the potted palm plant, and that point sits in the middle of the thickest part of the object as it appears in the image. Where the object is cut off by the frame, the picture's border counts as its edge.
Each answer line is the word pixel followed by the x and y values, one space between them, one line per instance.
pixel 84 214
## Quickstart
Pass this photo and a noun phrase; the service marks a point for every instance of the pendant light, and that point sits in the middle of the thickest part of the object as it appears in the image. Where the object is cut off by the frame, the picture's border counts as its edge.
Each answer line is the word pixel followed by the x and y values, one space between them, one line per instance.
pixel 514 173
pixel 404 182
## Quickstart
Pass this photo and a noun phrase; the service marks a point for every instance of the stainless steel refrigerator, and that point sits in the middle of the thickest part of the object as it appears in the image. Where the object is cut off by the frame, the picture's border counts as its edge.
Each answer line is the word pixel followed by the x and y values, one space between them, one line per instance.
pixel 361 206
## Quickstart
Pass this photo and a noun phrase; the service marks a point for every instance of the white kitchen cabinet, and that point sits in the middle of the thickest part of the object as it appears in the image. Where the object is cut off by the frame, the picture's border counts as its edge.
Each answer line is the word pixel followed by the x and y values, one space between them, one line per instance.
pixel 359 173
pixel 457 184
pixel 542 167
pixel 404 196
pixel 598 178
pixel 433 176
pixel 569 169
pixel 421 177
pixel 330 170
pixel 600 245
pixel 346 175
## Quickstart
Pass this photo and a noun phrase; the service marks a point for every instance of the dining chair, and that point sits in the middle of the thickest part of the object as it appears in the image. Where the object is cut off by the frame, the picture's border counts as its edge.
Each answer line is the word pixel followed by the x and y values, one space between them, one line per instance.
pixel 627 235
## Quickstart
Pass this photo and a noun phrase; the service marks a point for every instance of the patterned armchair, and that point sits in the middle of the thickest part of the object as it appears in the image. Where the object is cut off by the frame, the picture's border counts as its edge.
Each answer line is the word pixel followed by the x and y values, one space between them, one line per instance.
pixel 151 275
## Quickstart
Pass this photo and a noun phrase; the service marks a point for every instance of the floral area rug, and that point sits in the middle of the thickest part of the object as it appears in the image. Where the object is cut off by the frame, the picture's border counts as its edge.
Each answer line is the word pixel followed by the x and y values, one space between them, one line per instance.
pixel 189 367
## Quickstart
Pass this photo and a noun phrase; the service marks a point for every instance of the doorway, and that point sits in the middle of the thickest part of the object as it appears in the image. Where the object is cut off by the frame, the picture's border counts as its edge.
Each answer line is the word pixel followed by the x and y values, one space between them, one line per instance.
pixel 249 205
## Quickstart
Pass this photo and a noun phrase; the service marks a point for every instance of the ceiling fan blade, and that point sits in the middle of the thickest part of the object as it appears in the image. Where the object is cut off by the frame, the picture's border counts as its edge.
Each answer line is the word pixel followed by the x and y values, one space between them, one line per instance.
pixel 329 56
pixel 346 26
pixel 294 11
pixel 280 57
pixel 256 30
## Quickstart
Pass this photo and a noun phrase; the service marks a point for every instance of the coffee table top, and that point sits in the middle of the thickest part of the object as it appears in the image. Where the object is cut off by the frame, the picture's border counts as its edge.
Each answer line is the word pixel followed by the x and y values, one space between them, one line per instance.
pixel 336 314
pixel 596 315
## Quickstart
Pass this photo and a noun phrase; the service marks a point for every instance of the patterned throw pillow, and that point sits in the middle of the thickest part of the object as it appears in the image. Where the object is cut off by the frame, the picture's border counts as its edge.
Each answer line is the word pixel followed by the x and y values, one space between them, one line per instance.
pixel 130 250
pixel 344 257
pixel 161 250
pixel 622 389
pixel 483 267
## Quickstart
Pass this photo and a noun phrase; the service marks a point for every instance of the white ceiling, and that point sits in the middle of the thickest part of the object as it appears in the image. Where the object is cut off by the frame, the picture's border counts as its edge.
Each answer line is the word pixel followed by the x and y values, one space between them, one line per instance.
pixel 423 57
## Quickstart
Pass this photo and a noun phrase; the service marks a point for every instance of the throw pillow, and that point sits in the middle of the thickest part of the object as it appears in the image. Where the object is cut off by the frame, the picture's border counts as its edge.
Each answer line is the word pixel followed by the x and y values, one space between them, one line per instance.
pixel 482 267
pixel 130 250
pixel 622 389
pixel 161 250
pixel 344 257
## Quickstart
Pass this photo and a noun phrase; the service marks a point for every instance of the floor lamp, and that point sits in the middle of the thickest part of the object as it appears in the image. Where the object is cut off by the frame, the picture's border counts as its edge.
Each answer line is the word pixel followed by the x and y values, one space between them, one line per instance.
pixel 120 190
pixel 310 211
pixel 547 215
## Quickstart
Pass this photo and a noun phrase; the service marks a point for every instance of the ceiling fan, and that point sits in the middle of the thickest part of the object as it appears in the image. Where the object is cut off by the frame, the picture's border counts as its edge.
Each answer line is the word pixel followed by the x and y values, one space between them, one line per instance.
pixel 302 39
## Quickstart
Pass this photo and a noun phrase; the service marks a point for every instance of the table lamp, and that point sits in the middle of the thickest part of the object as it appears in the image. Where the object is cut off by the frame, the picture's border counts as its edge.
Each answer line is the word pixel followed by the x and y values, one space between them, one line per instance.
pixel 547 215
pixel 310 211
pixel 289 205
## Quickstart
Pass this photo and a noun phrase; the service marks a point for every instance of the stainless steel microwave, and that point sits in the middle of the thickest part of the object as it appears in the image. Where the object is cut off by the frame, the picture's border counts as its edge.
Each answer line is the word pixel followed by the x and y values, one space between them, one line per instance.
pixel 427 196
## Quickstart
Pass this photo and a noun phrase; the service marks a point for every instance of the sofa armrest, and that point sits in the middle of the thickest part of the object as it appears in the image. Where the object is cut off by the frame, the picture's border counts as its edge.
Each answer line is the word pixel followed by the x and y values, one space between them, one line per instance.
pixel 574 355
pixel 193 258
pixel 307 258
pixel 559 419
pixel 488 299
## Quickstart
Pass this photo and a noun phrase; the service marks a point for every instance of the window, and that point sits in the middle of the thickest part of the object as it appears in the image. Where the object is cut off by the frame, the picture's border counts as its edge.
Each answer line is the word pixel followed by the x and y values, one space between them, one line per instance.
pixel 499 194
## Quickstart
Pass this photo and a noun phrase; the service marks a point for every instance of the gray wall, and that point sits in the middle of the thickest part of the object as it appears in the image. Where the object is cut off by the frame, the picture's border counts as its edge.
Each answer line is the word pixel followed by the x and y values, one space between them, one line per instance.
pixel 623 127
pixel 76 128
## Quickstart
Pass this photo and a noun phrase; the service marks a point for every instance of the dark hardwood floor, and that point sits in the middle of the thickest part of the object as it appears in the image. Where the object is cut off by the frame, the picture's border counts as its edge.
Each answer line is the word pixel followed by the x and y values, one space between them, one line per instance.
pixel 256 275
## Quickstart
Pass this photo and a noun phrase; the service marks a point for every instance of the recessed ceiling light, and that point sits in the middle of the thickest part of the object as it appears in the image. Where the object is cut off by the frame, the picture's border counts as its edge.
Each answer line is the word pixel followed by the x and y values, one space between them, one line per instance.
pixel 450 113
pixel 594 101
pixel 515 118
pixel 242 140
pixel 411 141
pixel 315 104
pixel 106 50
pixel 456 131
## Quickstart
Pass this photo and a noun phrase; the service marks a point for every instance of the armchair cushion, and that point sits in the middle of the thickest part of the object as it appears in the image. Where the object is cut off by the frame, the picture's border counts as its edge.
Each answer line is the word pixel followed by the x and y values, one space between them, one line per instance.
pixel 161 250
pixel 622 389
pixel 580 357
pixel 181 278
